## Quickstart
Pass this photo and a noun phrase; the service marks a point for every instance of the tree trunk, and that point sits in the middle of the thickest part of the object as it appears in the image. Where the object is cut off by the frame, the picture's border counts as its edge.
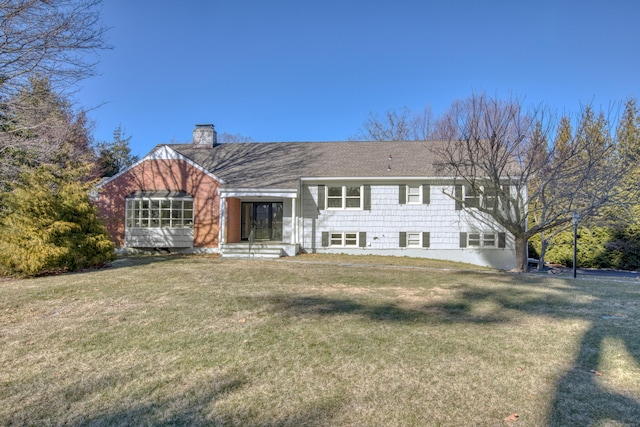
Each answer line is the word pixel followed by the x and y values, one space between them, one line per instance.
pixel 521 254
pixel 543 250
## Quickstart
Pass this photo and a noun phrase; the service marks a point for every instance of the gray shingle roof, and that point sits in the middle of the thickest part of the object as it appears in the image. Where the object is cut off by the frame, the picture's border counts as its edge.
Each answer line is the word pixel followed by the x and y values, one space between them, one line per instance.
pixel 282 164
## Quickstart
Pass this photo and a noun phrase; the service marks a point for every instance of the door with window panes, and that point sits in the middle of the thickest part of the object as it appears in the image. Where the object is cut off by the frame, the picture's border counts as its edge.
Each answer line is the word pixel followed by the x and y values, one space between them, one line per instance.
pixel 261 221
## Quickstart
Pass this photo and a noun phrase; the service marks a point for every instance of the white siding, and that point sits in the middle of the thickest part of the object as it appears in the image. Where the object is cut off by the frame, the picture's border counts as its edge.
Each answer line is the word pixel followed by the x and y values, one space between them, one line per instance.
pixel 387 218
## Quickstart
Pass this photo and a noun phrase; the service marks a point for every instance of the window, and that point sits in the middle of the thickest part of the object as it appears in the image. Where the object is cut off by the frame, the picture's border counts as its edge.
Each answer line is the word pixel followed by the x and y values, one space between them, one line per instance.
pixel 344 239
pixel 488 239
pixel 471 198
pixel 148 212
pixel 490 197
pixel 414 239
pixel 482 240
pixel 344 197
pixel 474 239
pixel 466 197
pixel 413 194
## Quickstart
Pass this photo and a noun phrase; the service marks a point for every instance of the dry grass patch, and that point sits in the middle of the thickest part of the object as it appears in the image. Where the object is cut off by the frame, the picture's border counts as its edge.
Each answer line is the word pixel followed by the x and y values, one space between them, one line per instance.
pixel 209 341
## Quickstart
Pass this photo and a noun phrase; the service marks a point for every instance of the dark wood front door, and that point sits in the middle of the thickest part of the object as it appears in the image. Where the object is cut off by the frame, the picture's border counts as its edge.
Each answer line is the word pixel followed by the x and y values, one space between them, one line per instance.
pixel 262 221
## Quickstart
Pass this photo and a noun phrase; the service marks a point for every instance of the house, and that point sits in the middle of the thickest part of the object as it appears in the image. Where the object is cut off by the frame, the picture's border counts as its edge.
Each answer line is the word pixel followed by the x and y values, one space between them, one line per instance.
pixel 261 199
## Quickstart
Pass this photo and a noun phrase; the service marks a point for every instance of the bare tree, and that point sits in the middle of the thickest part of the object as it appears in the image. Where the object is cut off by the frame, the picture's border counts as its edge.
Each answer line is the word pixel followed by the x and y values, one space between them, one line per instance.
pixel 393 125
pixel 46 47
pixel 52 38
pixel 503 156
pixel 226 137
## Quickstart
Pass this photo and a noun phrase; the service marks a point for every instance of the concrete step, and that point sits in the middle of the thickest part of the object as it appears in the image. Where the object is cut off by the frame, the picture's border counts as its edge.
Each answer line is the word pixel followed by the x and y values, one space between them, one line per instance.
pixel 251 251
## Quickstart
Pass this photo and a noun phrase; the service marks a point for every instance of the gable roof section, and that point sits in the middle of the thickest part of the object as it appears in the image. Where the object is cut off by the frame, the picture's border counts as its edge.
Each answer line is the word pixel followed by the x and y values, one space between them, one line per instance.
pixel 282 164
pixel 161 152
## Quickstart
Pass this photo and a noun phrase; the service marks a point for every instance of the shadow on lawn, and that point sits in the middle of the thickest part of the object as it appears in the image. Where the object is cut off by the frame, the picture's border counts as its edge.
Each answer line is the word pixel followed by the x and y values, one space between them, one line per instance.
pixel 193 406
pixel 582 397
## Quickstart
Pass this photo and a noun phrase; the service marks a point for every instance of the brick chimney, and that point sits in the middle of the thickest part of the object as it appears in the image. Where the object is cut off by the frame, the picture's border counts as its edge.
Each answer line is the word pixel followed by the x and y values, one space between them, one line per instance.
pixel 205 136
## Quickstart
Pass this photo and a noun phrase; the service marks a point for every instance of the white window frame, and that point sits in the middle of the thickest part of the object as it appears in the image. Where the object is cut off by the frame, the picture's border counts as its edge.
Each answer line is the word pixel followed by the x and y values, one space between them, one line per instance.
pixel 478 239
pixel 489 240
pixel 468 195
pixel 342 238
pixel 159 212
pixel 418 189
pixel 415 241
pixel 344 197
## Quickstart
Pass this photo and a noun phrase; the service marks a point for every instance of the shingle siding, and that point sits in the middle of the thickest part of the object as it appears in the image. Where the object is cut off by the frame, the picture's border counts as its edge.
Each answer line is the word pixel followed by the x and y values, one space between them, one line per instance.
pixel 388 219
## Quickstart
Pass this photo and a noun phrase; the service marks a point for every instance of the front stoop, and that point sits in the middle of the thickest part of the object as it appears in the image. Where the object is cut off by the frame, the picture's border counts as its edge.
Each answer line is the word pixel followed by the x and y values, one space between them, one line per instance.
pixel 253 250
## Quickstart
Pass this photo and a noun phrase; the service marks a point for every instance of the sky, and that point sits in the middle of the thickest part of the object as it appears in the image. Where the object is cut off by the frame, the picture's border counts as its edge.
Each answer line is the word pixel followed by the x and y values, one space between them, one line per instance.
pixel 298 70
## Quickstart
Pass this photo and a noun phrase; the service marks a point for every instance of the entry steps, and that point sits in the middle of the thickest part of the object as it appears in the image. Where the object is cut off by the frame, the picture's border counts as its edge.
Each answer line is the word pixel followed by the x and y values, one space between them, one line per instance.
pixel 252 250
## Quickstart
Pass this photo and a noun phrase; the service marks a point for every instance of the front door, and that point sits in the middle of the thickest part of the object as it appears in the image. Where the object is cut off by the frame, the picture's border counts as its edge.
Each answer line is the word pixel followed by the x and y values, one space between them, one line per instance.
pixel 262 221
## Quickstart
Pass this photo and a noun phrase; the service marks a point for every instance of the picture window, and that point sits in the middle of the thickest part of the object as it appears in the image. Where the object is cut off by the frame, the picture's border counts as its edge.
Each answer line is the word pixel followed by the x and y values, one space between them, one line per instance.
pixel 159 213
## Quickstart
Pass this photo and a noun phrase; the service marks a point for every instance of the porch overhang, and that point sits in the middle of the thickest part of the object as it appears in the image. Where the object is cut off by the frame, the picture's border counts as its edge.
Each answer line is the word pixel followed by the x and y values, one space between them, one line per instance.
pixel 285 193
pixel 256 193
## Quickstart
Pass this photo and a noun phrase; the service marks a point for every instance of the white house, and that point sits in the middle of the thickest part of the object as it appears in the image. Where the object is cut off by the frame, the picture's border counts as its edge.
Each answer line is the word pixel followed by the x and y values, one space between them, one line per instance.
pixel 273 199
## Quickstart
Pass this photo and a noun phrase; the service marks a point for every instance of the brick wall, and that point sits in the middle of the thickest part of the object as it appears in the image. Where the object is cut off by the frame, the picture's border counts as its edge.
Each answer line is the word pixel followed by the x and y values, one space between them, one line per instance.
pixel 163 175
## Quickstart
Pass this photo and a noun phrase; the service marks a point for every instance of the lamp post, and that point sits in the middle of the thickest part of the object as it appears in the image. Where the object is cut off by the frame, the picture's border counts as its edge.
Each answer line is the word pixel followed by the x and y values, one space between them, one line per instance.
pixel 576 218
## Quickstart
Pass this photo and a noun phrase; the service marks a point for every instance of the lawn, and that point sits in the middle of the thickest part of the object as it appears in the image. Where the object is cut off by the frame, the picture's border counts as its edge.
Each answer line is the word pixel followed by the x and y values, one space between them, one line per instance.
pixel 319 341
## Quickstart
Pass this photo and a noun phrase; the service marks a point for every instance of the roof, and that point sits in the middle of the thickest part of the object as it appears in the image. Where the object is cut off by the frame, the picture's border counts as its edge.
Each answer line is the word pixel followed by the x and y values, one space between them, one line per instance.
pixel 282 164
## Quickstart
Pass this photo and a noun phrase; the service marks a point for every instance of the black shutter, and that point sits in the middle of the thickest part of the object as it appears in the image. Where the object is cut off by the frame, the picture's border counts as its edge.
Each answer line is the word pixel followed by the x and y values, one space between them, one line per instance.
pixel 362 239
pixel 325 239
pixel 458 196
pixel 502 240
pixel 463 240
pixel 402 194
pixel 366 198
pixel 426 239
pixel 403 239
pixel 426 194
pixel 322 196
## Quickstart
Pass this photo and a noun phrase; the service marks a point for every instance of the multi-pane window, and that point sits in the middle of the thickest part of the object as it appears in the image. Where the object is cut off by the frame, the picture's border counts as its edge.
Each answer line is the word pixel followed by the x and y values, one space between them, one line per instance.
pixel 413 194
pixel 471 197
pixel 490 197
pixel 488 239
pixel 414 240
pixel 344 239
pixel 482 240
pixel 344 197
pixel 474 239
pixel 146 212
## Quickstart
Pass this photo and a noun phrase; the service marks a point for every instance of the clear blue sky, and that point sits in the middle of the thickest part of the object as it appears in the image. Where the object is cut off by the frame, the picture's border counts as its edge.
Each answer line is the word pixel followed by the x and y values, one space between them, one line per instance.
pixel 296 70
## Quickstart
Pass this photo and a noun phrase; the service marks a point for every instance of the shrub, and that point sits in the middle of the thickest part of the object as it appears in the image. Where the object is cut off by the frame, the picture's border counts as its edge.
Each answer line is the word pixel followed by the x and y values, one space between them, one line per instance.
pixel 50 224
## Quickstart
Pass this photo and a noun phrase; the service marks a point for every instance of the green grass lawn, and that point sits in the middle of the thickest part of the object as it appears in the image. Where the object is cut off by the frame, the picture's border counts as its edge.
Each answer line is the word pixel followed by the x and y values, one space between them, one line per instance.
pixel 317 340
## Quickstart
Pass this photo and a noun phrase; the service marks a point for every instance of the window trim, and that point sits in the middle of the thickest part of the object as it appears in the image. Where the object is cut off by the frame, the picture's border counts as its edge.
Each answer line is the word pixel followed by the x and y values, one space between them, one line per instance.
pixel 424 240
pixel 136 212
pixel 343 239
pixel 418 192
pixel 344 197
pixel 482 241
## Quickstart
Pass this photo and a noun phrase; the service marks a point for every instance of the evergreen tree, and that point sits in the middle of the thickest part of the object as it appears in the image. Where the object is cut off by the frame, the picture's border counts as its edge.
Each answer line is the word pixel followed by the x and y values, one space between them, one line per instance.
pixel 115 156
pixel 39 126
pixel 49 223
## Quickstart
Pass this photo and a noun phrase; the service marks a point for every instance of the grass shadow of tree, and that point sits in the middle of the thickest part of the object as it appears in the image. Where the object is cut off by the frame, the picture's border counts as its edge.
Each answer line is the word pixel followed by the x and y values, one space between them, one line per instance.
pixel 581 398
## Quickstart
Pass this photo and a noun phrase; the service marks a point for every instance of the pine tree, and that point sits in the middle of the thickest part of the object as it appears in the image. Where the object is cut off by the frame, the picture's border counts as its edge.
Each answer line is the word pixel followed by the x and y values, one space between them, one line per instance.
pixel 115 156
